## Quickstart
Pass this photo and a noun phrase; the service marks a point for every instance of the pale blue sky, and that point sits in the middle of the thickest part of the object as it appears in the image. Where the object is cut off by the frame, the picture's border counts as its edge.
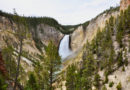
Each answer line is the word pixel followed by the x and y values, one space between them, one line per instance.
pixel 65 11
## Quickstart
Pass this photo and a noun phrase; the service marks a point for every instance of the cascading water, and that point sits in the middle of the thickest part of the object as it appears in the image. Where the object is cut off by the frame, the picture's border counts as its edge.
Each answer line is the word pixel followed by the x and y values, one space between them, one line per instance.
pixel 64 49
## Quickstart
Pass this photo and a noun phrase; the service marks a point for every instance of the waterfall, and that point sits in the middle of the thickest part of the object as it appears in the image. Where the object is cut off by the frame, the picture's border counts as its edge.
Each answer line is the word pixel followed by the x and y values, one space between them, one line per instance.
pixel 64 49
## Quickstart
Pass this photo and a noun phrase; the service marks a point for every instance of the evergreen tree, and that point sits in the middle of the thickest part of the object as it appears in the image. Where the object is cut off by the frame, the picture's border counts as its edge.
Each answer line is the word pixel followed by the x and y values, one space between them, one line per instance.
pixel 88 72
pixel 119 86
pixel 31 84
pixel 70 77
pixel 41 75
pixel 52 63
pixel 120 59
pixel 7 53
pixel 97 81
pixel 21 34
pixel 3 85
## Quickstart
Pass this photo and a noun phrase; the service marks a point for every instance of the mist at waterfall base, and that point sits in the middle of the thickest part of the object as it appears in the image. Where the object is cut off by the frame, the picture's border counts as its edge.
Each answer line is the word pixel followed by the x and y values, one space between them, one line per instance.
pixel 64 50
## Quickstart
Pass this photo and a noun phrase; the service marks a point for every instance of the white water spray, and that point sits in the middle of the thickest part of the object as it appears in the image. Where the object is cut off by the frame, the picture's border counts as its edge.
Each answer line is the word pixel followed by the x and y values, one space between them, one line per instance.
pixel 64 49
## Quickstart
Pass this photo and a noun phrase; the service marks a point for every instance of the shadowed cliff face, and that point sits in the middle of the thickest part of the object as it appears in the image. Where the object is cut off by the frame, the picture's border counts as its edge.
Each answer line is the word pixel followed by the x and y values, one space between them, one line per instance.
pixel 46 33
pixel 41 34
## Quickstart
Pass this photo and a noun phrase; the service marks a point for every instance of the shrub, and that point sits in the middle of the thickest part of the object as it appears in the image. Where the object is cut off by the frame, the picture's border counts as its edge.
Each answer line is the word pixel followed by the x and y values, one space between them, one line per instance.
pixel 115 76
pixel 3 85
pixel 32 83
pixel 104 88
pixel 111 84
pixel 97 81
pixel 123 68
pixel 126 62
pixel 120 59
pixel 106 79
pixel 119 86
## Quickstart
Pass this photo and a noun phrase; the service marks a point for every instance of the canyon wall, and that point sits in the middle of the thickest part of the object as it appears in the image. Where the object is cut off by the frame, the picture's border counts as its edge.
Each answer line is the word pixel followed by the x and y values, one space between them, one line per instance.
pixel 124 4
pixel 42 33
pixel 80 36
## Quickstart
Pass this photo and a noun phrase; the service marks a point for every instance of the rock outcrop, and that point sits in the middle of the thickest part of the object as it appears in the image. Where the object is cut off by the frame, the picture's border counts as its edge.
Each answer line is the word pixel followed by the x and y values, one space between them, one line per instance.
pixel 80 36
pixel 124 4
pixel 43 33
pixel 77 38
pixel 46 33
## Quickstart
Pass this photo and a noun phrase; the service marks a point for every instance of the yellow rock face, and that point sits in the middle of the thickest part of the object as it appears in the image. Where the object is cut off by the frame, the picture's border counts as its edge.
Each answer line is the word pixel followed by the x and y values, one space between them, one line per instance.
pixel 77 38
pixel 80 36
pixel 124 4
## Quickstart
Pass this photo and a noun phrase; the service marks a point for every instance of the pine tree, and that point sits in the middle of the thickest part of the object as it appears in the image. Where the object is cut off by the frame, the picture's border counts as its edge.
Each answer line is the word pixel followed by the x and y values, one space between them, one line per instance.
pixel 21 34
pixel 3 85
pixel 52 62
pixel 31 84
pixel 120 59
pixel 88 72
pixel 70 77
pixel 41 74
pixel 7 53
pixel 97 81
pixel 111 24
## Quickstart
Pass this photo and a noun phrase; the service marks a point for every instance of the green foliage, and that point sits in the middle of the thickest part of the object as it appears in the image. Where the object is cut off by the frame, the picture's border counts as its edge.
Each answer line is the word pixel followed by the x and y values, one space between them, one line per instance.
pixel 67 29
pixel 7 54
pixel 52 62
pixel 104 88
pixel 34 21
pixel 126 62
pixel 10 62
pixel 119 86
pixel 106 79
pixel 47 69
pixel 32 83
pixel 102 47
pixel 53 59
pixel 41 75
pixel 71 77
pixel 111 84
pixel 3 85
pixel 88 69
pixel 81 79
pixel 126 59
pixel 22 30
pixel 85 25
pixel 97 81
pixel 120 59
pixel 123 68
pixel 123 25
pixel 38 43
pixel 109 11
pixel 119 38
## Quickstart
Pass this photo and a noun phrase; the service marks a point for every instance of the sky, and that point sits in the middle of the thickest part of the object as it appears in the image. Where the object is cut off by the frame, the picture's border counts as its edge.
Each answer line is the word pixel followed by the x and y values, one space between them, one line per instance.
pixel 66 12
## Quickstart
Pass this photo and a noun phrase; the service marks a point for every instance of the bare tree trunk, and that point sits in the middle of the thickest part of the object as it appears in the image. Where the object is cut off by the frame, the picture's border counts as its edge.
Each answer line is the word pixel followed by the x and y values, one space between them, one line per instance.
pixel 18 65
